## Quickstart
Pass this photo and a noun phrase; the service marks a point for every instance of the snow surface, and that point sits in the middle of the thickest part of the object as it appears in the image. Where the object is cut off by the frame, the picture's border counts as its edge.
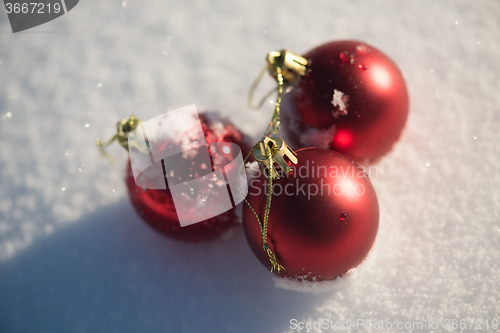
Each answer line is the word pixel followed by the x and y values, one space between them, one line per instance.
pixel 74 257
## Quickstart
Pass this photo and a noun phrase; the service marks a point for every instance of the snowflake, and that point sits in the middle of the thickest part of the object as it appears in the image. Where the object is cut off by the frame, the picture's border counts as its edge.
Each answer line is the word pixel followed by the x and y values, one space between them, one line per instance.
pixel 339 101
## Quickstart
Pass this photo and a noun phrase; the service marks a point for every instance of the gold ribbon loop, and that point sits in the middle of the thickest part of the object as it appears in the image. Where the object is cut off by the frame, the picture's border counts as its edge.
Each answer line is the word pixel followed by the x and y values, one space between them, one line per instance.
pixel 123 129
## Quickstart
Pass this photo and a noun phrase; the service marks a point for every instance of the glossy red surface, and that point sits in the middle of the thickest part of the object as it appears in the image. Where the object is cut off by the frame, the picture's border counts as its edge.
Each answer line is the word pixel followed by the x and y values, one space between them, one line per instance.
pixel 376 102
pixel 156 207
pixel 321 236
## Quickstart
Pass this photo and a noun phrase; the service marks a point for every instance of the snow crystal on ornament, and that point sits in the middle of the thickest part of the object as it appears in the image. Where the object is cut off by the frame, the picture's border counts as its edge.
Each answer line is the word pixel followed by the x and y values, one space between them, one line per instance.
pixel 217 127
pixel 339 100
pixel 362 49
pixel 252 169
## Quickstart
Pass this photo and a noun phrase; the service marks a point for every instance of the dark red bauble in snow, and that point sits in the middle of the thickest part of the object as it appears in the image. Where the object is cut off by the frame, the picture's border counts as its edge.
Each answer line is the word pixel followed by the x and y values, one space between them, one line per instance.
pixel 352 99
pixel 156 207
pixel 323 219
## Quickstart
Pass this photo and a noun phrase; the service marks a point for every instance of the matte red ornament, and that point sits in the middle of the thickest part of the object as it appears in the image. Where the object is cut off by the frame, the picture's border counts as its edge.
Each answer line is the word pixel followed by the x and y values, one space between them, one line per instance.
pixel 156 207
pixel 352 99
pixel 323 218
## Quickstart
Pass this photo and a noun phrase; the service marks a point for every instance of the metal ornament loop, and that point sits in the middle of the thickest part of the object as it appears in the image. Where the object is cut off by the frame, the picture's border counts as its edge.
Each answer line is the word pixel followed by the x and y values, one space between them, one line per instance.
pixel 292 67
pixel 123 129
pixel 274 153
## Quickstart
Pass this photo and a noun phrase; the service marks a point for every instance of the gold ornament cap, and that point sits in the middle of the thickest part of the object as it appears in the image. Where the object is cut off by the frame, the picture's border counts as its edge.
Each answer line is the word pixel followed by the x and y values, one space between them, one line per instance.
pixel 273 153
pixel 123 129
pixel 292 65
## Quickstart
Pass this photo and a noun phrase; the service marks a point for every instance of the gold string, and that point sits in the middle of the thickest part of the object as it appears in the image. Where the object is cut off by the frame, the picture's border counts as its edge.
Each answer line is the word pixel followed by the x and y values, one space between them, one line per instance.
pixel 275 265
pixel 254 86
pixel 272 129
pixel 239 187
pixel 287 67
pixel 274 124
pixel 101 146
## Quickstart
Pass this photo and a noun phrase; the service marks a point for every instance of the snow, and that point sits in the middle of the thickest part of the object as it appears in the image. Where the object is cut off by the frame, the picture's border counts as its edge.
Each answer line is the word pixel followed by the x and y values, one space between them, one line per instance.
pixel 319 138
pixel 74 256
pixel 340 100
pixel 252 169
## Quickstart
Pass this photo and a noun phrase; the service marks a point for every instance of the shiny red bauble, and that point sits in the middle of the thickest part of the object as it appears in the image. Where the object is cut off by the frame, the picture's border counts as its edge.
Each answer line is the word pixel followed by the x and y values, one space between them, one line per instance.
pixel 352 99
pixel 156 207
pixel 323 218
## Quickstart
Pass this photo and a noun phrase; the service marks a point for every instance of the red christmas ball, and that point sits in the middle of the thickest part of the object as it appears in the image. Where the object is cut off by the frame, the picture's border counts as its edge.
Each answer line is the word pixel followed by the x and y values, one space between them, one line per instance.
pixel 156 207
pixel 323 217
pixel 352 99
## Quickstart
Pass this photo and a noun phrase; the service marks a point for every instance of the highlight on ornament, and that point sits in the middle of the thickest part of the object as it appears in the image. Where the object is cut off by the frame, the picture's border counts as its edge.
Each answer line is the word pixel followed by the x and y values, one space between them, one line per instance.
pixel 182 174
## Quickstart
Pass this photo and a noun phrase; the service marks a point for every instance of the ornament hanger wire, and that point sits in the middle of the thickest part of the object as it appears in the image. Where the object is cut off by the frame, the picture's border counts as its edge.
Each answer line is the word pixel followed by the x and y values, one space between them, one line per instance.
pixel 287 67
pixel 254 86
pixel 123 129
